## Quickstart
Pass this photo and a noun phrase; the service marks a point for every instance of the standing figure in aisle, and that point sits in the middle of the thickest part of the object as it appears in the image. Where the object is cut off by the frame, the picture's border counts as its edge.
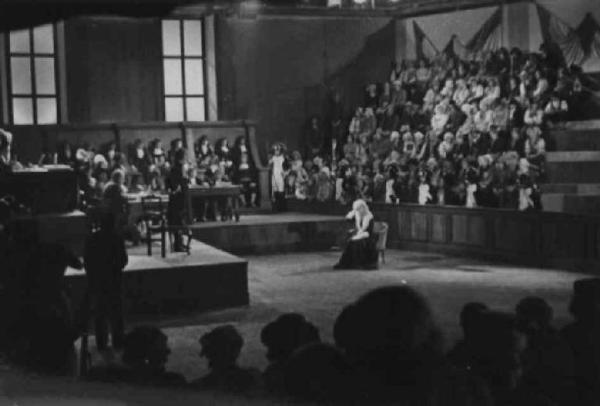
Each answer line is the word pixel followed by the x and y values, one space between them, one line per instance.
pixel 278 164
pixel 177 186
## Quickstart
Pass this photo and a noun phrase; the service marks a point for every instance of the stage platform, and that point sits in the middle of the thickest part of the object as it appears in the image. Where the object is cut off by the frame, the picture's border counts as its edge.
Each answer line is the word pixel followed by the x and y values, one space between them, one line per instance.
pixel 206 279
pixel 272 233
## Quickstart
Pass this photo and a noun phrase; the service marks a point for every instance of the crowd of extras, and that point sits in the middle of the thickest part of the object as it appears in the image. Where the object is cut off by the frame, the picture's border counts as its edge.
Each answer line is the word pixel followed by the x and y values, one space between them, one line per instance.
pixel 386 347
pixel 445 131
pixel 144 168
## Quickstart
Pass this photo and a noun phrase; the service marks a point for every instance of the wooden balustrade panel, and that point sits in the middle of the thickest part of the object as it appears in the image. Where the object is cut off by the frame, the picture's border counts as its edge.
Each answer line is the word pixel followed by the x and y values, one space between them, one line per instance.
pixel 554 240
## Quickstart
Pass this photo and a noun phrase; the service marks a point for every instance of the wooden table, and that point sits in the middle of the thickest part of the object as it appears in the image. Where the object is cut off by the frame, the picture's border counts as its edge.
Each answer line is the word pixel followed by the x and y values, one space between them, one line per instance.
pixel 227 192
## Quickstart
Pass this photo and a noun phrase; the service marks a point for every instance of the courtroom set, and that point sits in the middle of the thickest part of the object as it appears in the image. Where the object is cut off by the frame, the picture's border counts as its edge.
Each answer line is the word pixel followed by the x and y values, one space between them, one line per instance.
pixel 270 202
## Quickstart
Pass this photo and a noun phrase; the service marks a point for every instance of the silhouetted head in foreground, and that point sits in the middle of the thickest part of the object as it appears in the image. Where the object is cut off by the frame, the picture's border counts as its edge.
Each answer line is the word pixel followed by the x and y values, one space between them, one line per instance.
pixel 317 372
pixel 222 346
pixel 585 302
pixel 534 315
pixel 146 349
pixel 388 324
pixel 287 333
pixel 469 315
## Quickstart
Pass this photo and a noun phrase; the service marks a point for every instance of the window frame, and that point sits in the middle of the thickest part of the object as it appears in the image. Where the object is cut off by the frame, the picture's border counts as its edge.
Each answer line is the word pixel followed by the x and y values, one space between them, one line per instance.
pixel 33 95
pixel 182 57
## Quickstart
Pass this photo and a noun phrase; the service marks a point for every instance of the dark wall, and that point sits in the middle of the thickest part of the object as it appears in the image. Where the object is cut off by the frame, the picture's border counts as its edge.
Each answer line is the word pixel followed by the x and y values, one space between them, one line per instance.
pixel 114 70
pixel 276 71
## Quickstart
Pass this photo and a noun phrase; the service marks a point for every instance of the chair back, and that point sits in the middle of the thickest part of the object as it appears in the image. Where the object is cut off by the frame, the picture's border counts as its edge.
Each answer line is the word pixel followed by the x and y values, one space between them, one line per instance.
pixel 381 229
pixel 152 205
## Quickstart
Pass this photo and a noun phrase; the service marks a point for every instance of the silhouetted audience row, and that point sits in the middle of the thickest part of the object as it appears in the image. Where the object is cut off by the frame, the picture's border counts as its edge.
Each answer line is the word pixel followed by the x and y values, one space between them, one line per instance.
pixel 387 346
pixel 388 349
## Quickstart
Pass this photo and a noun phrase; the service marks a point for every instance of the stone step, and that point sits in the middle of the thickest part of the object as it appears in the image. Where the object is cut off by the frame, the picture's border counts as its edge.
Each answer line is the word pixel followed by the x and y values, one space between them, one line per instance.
pixel 575 140
pixel 581 189
pixel 573 156
pixel 568 203
pixel 582 124
pixel 573 172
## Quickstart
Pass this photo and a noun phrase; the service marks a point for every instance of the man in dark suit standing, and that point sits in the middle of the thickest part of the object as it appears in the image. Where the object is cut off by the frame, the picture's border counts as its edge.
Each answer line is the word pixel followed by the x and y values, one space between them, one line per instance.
pixel 105 258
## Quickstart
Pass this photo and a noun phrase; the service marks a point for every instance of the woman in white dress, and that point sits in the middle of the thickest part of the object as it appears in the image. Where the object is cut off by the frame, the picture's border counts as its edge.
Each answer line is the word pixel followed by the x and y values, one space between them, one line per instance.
pixel 277 164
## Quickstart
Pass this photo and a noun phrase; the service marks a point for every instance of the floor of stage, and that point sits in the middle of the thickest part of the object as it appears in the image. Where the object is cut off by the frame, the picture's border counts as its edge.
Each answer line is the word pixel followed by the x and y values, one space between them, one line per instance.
pixel 200 255
pixel 306 283
pixel 271 218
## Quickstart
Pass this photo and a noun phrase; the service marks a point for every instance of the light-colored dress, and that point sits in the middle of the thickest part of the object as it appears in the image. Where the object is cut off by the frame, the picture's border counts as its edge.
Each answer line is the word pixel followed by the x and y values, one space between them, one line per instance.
pixel 277 174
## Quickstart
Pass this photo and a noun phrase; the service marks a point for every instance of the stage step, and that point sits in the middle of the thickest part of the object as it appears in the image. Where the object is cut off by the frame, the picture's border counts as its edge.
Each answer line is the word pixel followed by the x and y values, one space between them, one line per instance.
pixel 573 172
pixel 571 203
pixel 573 156
pixel 272 233
pixel 576 139
pixel 580 189
pixel 583 124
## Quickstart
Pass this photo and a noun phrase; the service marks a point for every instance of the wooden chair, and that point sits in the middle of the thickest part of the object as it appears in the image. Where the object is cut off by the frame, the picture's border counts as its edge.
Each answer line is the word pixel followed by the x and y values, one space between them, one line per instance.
pixel 381 229
pixel 155 222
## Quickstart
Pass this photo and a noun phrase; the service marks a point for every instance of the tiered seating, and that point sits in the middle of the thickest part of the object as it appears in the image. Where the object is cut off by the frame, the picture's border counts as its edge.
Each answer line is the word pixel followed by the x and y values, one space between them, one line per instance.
pixel 574 169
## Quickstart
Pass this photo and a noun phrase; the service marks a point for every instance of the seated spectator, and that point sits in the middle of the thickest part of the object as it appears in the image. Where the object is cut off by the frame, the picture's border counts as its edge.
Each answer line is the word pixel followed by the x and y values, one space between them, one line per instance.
pixel 535 148
pixel 389 122
pixel 202 149
pixel 557 109
pixel 139 161
pixel 547 359
pixel 583 337
pixel 145 355
pixel 318 372
pixel 159 165
pixel 222 347
pixel 282 337
pixel 534 115
pixel 460 355
pixel 541 89
pixel 394 348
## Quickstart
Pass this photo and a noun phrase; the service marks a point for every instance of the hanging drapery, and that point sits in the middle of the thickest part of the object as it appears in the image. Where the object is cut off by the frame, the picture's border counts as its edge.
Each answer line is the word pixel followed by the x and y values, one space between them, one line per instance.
pixel 586 31
pixel 555 30
pixel 596 44
pixel 424 48
pixel 456 49
pixel 488 37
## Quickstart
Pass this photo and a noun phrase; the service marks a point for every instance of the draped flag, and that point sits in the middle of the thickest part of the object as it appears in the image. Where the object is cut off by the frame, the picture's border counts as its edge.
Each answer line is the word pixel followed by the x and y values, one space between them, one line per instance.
pixel 455 48
pixel 587 31
pixel 596 44
pixel 423 45
pixel 488 37
pixel 557 31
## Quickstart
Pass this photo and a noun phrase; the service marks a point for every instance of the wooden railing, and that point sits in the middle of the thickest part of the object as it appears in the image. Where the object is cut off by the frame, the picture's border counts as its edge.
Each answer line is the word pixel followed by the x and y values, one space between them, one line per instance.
pixel 541 239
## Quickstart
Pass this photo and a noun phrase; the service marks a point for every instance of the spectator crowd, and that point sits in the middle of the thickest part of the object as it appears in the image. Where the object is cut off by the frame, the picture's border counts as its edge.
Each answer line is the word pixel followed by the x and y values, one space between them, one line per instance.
pixel 443 131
